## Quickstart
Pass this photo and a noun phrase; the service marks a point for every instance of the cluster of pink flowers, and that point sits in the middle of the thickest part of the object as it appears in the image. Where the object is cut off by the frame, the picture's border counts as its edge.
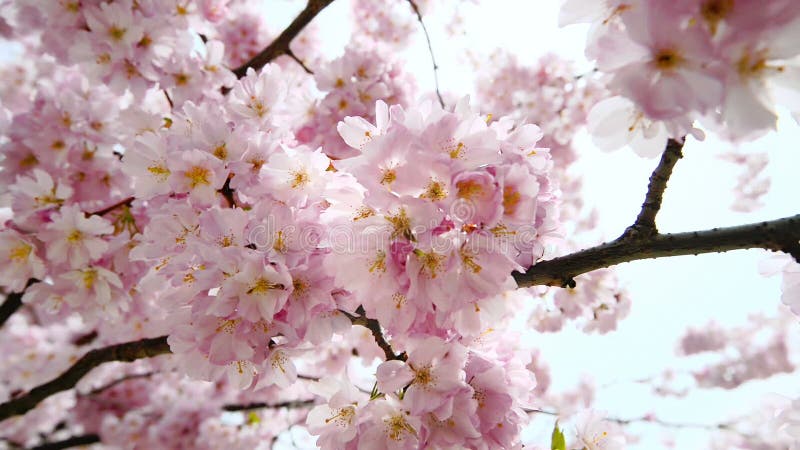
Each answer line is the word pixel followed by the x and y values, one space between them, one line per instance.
pixel 352 84
pixel 549 93
pixel 445 217
pixel 721 62
pixel 30 355
pixel 758 350
pixel 392 22
pixel 772 425
pixel 234 229
pixel 130 45
pixel 597 301
pixel 446 394
pixel 753 183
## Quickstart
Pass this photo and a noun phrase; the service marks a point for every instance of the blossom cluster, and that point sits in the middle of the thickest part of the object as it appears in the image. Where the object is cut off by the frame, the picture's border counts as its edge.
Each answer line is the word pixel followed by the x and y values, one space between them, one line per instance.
pixel 597 301
pixel 758 350
pixel 212 223
pixel 724 63
pixel 130 45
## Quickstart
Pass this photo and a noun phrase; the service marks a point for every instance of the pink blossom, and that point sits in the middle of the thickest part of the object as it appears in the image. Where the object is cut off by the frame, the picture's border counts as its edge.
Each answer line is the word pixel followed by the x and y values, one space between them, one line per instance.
pixel 335 422
pixel 257 95
pixel 198 174
pixel 384 424
pixel 433 373
pixel 74 239
pixel 22 261
pixel 596 433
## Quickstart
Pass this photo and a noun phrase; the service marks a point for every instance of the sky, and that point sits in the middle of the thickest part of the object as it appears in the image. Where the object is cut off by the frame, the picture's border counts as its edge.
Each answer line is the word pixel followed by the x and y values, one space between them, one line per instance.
pixel 669 295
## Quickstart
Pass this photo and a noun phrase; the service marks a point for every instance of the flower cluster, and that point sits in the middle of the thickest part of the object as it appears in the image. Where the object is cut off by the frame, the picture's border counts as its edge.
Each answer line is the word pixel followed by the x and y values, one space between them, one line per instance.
pixel 758 350
pixel 723 62
pixel 131 45
pixel 444 394
pixel 549 93
pixel 597 301
pixel 352 84
pixel 452 206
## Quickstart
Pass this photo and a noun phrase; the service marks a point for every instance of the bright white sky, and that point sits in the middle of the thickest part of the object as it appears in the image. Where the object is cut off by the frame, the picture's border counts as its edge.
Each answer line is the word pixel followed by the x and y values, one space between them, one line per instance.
pixel 669 295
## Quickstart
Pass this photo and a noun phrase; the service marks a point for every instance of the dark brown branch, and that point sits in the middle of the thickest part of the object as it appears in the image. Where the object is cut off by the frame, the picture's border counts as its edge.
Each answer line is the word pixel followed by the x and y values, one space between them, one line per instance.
pixel 792 247
pixel 169 100
pixel 69 442
pixel 280 46
pixel 13 302
pixel 292 404
pixel 127 352
pixel 227 192
pixel 645 224
pixel 375 327
pixel 430 49
pixel 774 235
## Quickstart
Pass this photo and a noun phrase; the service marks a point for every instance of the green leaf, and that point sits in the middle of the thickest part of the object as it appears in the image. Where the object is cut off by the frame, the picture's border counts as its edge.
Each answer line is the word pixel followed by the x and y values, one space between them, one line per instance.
pixel 558 442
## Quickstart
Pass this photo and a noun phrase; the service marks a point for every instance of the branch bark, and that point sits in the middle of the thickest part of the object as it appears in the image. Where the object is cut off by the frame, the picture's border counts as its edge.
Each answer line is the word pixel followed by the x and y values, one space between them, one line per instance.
pixel 127 352
pixel 377 333
pixel 645 224
pixel 776 235
pixel 73 441
pixel 280 46
pixel 288 404
pixel 12 303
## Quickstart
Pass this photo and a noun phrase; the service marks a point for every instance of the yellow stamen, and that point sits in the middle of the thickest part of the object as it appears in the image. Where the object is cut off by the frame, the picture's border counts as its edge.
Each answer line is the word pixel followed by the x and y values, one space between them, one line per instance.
pixel 197 176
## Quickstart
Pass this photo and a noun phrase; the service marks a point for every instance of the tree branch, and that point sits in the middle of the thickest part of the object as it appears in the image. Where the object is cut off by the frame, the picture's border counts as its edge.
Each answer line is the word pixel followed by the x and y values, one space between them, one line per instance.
pixel 128 351
pixel 775 235
pixel 375 327
pixel 280 46
pixel 430 49
pixel 645 224
pixel 13 302
pixel 292 404
pixel 73 441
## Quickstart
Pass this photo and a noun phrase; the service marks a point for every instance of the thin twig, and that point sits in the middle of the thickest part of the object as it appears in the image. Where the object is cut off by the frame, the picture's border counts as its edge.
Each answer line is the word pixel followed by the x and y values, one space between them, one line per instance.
pixel 645 224
pixel 651 420
pixel 772 235
pixel 291 404
pixel 169 100
pixel 127 352
pixel 13 302
pixel 116 382
pixel 73 441
pixel 291 54
pixel 280 46
pixel 430 49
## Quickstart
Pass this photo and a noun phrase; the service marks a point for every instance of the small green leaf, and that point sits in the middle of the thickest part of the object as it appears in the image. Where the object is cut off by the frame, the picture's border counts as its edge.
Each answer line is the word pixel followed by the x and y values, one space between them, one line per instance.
pixel 558 442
